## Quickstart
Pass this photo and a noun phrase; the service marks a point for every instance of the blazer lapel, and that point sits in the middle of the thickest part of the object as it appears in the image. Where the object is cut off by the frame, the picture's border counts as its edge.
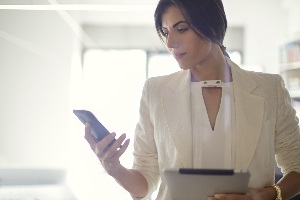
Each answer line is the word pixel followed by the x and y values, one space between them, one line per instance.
pixel 177 110
pixel 249 116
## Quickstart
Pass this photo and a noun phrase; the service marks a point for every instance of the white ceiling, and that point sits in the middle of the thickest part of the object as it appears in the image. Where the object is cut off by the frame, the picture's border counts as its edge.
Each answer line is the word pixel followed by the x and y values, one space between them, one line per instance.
pixel 123 11
pixel 93 11
pixel 94 2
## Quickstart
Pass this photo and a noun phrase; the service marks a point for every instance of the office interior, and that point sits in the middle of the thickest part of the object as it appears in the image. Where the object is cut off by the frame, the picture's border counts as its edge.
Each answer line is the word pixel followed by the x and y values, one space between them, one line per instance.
pixel 60 55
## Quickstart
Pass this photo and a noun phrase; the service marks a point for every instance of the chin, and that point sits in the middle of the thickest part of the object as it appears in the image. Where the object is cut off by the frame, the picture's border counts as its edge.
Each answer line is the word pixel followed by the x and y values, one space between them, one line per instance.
pixel 184 67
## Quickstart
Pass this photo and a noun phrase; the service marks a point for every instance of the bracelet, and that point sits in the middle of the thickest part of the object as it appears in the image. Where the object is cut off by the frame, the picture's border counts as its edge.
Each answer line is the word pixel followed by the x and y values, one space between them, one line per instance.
pixel 278 192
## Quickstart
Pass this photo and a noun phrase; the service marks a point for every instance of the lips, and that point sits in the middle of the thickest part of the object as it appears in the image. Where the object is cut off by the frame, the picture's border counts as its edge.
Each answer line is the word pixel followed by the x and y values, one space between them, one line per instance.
pixel 178 55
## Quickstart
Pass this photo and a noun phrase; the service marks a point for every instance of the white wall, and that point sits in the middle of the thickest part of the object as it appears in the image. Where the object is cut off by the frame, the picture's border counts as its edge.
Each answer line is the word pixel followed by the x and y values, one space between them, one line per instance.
pixel 265 25
pixel 35 64
pixel 293 15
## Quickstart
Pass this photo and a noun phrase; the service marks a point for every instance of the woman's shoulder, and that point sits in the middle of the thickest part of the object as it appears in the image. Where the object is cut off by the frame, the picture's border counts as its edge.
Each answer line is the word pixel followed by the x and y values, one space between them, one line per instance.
pixel 263 78
pixel 161 80
pixel 160 84
pixel 258 77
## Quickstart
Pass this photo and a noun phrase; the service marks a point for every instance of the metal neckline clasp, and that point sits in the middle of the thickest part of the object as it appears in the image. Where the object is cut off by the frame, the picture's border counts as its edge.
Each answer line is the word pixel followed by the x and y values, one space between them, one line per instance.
pixel 211 83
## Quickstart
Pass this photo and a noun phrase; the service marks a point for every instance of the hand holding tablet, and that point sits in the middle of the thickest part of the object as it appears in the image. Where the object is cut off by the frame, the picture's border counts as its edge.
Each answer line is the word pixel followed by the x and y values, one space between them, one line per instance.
pixel 199 184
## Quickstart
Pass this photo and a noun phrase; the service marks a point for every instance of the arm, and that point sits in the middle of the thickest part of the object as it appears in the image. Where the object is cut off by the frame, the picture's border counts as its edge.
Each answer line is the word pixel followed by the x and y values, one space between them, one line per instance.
pixel 131 180
pixel 287 143
pixel 290 185
pixel 145 149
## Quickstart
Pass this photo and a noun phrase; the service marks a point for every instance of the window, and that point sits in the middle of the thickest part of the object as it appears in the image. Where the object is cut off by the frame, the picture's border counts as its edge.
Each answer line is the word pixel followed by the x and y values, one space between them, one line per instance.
pixel 161 64
pixel 236 57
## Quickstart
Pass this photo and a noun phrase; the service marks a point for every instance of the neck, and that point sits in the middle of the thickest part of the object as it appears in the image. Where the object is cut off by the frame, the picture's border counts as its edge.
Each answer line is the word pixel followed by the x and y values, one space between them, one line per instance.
pixel 214 67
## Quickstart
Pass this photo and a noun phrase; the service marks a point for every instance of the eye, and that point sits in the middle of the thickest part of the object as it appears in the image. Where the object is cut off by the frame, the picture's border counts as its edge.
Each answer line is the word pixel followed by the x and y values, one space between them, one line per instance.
pixel 164 33
pixel 182 30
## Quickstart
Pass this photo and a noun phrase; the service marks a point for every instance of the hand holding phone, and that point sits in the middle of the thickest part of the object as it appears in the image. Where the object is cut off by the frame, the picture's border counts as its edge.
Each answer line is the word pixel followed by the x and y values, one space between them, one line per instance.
pixel 108 162
pixel 97 129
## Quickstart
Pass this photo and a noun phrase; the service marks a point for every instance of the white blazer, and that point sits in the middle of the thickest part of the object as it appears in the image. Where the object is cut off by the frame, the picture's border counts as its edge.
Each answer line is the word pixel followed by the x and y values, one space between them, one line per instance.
pixel 266 126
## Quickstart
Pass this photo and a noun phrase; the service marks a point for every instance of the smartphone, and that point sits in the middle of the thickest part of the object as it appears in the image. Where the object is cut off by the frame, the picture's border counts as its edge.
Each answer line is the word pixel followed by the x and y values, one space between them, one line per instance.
pixel 97 129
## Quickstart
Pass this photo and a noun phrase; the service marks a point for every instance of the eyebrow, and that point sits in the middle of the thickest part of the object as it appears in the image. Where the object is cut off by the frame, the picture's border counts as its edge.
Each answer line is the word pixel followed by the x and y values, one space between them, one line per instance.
pixel 176 24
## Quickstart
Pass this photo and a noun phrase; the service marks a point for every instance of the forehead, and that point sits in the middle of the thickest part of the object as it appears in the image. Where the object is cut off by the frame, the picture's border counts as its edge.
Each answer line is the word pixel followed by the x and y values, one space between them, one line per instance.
pixel 171 16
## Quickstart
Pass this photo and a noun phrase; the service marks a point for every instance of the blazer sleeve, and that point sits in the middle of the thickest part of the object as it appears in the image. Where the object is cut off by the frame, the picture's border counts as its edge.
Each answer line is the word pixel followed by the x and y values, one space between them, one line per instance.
pixel 287 139
pixel 145 151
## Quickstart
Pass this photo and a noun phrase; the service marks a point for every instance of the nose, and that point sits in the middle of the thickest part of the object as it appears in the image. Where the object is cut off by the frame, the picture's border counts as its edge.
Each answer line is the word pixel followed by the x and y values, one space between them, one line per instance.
pixel 172 41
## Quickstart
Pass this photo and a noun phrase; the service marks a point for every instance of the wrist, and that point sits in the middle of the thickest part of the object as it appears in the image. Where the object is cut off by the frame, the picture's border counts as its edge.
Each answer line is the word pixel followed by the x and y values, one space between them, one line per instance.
pixel 272 192
pixel 278 192
pixel 114 170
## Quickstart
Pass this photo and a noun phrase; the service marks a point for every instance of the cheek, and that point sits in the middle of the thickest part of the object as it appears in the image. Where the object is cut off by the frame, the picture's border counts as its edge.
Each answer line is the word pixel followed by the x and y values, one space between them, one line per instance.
pixel 196 54
pixel 197 49
pixel 201 51
pixel 202 47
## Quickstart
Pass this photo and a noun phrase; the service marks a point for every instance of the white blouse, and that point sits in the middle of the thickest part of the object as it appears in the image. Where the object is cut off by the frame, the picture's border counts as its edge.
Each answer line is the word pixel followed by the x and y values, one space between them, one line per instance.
pixel 213 149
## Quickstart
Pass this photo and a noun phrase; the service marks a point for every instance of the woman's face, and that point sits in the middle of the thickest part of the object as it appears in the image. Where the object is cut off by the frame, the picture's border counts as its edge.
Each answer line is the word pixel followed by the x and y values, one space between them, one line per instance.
pixel 188 48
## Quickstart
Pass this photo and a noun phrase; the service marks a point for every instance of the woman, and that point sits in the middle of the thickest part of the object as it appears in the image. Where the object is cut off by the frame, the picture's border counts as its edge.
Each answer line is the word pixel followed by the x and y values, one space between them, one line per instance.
pixel 212 114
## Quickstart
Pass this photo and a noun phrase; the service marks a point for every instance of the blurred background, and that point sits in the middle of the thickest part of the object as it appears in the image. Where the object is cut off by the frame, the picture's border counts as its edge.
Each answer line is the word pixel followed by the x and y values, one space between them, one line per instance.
pixel 60 55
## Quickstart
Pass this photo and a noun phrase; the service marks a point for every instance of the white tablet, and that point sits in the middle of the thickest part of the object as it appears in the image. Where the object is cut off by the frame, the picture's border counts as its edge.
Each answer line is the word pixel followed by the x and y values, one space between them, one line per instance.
pixel 199 184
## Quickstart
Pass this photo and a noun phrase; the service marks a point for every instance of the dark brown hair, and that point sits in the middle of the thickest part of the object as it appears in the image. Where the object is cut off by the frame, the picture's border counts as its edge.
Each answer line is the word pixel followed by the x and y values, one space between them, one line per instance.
pixel 205 17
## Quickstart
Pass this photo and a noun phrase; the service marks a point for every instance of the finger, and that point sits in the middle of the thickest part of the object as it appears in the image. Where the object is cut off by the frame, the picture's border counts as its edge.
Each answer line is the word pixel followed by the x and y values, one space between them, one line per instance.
pixel 118 143
pixel 111 163
pixel 230 197
pixel 122 149
pixel 113 149
pixel 91 139
pixel 107 141
pixel 102 147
